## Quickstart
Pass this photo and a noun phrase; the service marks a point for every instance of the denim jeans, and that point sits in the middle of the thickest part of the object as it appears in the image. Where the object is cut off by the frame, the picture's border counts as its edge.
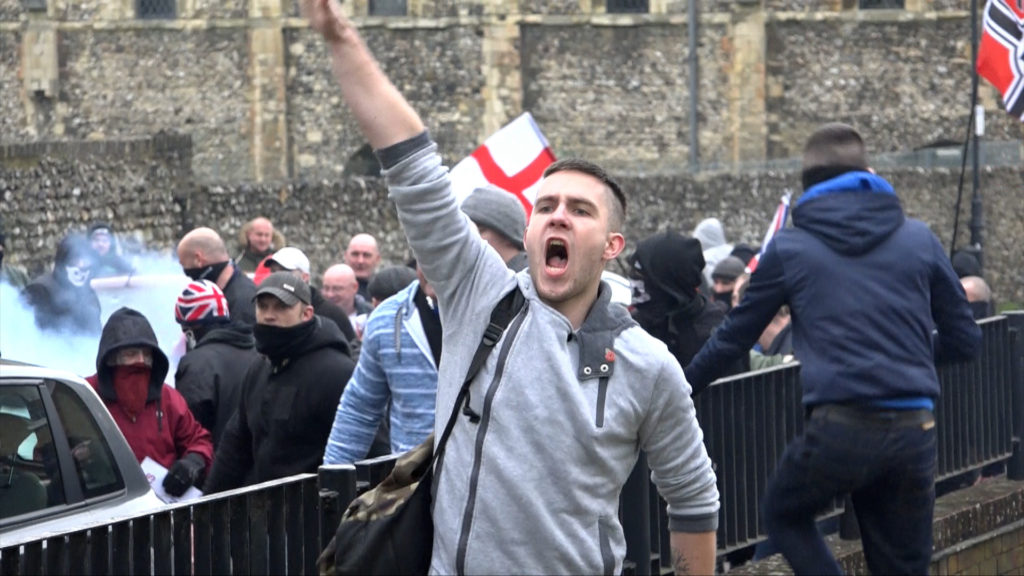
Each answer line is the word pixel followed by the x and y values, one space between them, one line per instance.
pixel 885 461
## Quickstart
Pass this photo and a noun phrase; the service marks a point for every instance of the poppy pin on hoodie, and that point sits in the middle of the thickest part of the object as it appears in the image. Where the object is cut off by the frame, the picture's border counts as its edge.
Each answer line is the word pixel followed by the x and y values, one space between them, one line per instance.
pixel 609 355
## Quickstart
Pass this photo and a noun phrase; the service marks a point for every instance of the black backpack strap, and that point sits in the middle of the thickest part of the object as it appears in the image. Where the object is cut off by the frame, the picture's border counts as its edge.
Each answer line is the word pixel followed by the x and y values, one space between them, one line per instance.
pixel 501 317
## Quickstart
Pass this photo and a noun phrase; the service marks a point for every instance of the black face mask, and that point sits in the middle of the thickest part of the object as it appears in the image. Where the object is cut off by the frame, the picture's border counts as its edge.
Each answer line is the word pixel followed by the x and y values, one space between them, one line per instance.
pixel 279 343
pixel 724 298
pixel 211 272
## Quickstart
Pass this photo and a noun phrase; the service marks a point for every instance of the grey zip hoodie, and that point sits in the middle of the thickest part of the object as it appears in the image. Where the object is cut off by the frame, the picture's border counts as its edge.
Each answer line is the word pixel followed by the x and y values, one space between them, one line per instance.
pixel 533 486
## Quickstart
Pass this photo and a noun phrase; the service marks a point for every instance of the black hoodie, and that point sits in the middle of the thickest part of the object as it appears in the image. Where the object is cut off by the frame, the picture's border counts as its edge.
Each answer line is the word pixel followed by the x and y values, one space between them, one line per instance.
pixel 286 412
pixel 58 304
pixel 127 328
pixel 210 375
pixel 670 308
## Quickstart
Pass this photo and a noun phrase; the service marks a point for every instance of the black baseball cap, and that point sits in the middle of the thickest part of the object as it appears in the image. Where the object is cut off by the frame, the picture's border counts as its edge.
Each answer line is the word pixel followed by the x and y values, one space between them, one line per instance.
pixel 286 287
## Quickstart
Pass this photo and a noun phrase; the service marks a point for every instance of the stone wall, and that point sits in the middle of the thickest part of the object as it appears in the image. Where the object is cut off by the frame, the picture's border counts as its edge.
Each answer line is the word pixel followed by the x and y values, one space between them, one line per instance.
pixel 977 530
pixel 257 98
pixel 49 189
pixel 150 194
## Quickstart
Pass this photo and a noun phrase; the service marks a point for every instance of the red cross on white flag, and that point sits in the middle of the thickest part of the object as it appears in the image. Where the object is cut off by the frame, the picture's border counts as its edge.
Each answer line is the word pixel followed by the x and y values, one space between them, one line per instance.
pixel 513 158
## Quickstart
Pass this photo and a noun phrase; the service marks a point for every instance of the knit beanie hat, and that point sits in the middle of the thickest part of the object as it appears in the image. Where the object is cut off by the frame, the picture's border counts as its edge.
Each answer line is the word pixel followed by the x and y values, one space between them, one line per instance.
pixel 201 302
pixel 499 210
pixel 729 268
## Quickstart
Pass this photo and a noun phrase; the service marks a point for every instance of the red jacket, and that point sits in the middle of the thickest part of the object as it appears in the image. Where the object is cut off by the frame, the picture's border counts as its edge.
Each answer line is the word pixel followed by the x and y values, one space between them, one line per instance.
pixel 164 439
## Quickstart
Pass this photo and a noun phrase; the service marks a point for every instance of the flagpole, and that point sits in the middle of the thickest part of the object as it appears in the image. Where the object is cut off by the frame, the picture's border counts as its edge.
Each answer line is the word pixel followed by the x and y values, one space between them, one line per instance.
pixel 977 223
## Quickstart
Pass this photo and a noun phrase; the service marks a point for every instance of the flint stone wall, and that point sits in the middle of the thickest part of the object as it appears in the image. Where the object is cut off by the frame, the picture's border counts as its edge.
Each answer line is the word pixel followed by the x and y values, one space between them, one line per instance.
pixel 146 189
pixel 613 88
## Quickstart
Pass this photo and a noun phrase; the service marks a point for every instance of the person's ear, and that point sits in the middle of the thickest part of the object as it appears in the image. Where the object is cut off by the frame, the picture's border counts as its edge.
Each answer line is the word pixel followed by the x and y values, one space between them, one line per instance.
pixel 613 247
pixel 308 313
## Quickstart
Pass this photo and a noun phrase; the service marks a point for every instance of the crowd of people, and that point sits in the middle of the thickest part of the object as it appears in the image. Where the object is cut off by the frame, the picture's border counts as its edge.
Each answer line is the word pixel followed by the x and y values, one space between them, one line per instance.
pixel 282 373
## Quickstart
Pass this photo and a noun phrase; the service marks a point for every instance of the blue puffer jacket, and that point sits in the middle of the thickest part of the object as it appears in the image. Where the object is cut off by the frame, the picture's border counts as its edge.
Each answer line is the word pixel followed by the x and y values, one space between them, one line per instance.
pixel 396 369
pixel 867 288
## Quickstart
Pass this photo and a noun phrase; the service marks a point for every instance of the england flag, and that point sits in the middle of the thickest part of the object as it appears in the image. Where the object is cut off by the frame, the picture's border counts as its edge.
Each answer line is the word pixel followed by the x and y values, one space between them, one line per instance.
pixel 513 159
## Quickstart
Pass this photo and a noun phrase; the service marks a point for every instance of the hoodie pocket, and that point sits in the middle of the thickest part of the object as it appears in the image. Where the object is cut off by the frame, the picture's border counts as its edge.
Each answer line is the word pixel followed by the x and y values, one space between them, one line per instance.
pixel 604 538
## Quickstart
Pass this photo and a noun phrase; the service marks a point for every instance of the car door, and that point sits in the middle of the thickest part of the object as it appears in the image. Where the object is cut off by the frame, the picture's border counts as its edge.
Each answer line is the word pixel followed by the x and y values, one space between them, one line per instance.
pixel 63 462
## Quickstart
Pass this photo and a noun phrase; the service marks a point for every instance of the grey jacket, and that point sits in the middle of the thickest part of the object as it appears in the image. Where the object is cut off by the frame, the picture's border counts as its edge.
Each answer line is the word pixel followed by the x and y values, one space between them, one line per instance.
pixel 533 487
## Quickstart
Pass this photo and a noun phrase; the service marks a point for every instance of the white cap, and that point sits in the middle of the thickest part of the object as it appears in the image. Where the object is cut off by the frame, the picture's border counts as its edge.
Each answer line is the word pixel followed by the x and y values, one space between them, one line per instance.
pixel 290 258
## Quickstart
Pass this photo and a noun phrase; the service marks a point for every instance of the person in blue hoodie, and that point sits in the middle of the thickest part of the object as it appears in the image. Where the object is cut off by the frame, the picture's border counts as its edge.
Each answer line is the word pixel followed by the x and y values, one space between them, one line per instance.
pixel 875 303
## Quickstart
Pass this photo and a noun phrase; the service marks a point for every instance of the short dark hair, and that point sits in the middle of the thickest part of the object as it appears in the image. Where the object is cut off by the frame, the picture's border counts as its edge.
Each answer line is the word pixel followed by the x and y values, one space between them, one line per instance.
pixel 618 208
pixel 835 144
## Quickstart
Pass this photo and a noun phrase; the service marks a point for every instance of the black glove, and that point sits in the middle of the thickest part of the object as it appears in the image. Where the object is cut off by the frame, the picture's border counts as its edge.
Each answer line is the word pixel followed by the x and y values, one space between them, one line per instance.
pixel 184 473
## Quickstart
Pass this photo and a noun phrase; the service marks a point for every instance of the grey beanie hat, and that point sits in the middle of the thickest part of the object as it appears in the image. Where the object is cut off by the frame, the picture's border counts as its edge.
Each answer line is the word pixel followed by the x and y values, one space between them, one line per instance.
pixel 494 208
pixel 729 268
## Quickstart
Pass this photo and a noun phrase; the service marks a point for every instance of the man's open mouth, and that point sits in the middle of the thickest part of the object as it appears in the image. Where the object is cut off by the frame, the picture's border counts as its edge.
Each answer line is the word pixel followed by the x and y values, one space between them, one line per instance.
pixel 556 255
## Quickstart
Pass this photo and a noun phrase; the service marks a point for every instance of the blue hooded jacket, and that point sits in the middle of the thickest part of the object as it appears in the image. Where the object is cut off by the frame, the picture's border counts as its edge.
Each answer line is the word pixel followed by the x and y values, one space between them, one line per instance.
pixel 867 288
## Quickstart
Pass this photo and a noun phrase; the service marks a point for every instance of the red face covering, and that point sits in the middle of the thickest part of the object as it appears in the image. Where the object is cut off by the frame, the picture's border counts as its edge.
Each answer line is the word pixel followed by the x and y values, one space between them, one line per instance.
pixel 131 384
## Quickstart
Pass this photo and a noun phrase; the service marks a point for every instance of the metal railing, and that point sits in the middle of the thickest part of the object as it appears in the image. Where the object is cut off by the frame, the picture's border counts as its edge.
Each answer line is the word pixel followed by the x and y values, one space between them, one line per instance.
pixel 749 418
pixel 280 527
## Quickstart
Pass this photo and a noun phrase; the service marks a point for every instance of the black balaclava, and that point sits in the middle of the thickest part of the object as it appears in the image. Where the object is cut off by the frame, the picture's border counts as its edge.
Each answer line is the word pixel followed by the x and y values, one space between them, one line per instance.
pixel 666 271
pixel 279 343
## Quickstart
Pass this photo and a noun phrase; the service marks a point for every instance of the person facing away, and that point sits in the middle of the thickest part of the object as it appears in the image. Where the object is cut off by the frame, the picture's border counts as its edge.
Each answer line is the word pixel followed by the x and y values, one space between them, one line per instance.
pixel 389 281
pixel 574 389
pixel 291 259
pixel 711 235
pixel 363 256
pixel 218 353
pixel 500 218
pixel 874 303
pixel 62 300
pixel 154 418
pixel 258 239
pixel 106 252
pixel 203 256
pixel 396 377
pixel 289 396
pixel 665 271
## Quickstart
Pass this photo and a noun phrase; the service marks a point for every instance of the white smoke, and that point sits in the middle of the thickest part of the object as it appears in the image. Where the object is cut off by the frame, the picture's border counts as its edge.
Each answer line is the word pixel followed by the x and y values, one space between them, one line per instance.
pixel 152 291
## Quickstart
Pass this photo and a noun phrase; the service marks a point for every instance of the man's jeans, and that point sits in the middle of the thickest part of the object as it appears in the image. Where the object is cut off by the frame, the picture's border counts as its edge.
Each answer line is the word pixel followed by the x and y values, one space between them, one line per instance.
pixel 885 460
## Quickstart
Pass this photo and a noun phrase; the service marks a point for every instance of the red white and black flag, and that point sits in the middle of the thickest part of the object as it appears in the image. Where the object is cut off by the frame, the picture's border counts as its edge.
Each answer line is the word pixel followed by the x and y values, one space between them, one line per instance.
pixel 1001 52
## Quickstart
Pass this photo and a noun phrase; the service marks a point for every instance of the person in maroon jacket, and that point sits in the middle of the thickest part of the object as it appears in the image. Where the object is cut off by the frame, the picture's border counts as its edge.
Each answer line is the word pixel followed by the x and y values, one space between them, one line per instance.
pixel 154 418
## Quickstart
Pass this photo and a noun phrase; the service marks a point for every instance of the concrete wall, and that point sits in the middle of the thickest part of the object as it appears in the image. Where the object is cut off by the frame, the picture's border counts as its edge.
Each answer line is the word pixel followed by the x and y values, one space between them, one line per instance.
pixel 148 191
pixel 250 84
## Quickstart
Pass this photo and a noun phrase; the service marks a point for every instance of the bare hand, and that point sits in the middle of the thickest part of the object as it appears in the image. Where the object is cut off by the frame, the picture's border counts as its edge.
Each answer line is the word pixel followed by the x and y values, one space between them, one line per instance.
pixel 326 18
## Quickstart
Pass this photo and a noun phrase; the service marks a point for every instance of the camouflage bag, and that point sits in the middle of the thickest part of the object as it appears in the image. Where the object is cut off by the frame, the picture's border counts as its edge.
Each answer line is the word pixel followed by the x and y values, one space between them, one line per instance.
pixel 388 529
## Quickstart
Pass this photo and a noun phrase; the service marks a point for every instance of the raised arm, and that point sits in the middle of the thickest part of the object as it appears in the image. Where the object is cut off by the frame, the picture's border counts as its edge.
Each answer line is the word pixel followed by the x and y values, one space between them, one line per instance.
pixel 384 116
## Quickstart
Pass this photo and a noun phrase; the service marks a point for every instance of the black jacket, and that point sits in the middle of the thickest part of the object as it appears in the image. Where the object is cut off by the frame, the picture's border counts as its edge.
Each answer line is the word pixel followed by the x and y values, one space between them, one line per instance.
pixel 286 413
pixel 210 376
pixel 240 291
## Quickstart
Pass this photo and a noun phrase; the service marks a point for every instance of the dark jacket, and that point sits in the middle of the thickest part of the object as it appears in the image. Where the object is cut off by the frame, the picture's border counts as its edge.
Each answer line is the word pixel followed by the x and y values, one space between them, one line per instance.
pixel 286 413
pixel 165 430
pixel 210 376
pixel 667 303
pixel 240 291
pixel 58 304
pixel 866 286
pixel 329 310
